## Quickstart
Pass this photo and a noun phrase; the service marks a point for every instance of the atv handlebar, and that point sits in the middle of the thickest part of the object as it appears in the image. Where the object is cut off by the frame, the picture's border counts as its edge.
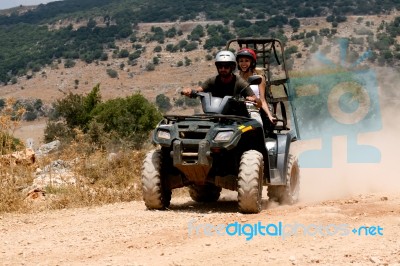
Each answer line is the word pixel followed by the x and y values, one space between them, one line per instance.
pixel 193 94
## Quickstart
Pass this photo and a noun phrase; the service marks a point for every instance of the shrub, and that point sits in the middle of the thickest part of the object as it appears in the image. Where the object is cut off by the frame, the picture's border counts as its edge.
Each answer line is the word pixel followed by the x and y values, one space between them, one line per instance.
pixel 179 102
pixel 30 116
pixel 57 131
pixel 157 49
pixel 131 118
pixel 75 108
pixel 69 63
pixel 187 61
pixel 123 53
pixel 135 55
pixel 112 73
pixel 150 67
pixel 163 102
pixel 191 46
pixel 104 57
pixel 191 101
pixel 2 104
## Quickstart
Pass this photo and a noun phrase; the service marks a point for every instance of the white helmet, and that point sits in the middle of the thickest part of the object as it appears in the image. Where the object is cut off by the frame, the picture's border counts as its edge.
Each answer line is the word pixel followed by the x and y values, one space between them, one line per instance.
pixel 225 57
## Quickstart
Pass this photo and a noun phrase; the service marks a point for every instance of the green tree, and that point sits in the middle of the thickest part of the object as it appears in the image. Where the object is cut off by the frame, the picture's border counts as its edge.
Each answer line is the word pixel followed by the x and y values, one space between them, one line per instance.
pixel 75 109
pixel 171 33
pixel 295 23
pixel 197 33
pixel 132 117
pixel 91 23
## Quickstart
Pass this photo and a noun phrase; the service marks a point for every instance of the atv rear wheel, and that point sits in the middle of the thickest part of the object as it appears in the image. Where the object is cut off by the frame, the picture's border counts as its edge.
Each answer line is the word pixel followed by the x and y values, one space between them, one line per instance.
pixel 288 194
pixel 155 195
pixel 250 181
pixel 204 193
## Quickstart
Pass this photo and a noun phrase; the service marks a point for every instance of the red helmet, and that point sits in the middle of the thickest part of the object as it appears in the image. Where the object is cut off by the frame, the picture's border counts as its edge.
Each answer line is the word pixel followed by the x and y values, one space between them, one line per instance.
pixel 248 53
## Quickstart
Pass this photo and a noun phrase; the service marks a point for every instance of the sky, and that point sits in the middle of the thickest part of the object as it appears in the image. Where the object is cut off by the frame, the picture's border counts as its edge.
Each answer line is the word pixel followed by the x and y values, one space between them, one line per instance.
pixel 4 4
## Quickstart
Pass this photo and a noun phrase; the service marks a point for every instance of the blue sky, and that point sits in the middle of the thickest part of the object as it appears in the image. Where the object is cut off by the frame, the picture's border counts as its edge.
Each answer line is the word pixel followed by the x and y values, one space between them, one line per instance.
pixel 4 4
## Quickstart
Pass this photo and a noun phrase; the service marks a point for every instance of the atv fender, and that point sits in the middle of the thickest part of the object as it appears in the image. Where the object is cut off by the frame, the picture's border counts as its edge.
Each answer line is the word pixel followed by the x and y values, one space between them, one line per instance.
pixel 283 145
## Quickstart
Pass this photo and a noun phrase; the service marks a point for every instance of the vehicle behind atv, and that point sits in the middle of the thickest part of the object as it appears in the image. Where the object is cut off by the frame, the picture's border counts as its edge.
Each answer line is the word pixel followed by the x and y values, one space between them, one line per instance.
pixel 224 148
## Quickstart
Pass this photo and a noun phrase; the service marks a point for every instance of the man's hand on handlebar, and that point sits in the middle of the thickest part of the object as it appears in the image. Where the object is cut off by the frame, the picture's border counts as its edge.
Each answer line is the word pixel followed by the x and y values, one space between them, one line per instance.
pixel 186 91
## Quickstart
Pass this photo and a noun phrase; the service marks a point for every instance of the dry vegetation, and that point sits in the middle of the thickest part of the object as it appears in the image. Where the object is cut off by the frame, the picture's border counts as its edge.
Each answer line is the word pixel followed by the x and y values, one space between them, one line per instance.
pixel 98 178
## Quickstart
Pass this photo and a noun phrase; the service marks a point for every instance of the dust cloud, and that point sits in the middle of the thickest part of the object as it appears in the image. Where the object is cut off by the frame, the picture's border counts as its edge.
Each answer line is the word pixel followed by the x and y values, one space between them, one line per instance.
pixel 349 179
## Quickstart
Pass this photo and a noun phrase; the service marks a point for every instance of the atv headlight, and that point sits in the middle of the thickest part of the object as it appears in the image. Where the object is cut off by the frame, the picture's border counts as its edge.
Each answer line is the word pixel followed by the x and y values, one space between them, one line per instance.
pixel 223 136
pixel 163 134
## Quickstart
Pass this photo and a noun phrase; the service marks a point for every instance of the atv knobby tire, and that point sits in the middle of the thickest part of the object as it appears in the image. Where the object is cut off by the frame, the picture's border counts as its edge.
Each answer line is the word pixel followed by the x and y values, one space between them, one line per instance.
pixel 288 194
pixel 155 195
pixel 204 193
pixel 250 182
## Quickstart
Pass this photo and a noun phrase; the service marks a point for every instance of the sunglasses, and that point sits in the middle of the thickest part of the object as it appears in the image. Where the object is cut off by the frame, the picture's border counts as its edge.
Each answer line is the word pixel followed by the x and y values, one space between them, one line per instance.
pixel 221 66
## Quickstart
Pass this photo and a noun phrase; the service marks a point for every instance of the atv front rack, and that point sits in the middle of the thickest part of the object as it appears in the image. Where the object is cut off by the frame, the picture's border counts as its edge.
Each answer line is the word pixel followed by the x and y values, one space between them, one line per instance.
pixel 202 117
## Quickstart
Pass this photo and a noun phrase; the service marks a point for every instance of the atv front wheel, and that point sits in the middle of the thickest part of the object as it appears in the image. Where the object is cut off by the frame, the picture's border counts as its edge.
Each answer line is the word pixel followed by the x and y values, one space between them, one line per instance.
pixel 204 193
pixel 155 195
pixel 288 194
pixel 250 181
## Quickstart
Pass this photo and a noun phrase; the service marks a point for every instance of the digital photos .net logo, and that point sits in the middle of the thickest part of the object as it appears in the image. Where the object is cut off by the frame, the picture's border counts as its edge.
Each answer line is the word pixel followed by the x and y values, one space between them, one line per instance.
pixel 343 102
pixel 280 229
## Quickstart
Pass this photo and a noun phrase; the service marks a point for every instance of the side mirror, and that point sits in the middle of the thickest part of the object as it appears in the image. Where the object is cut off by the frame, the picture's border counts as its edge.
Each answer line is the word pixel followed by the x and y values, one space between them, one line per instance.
pixel 254 80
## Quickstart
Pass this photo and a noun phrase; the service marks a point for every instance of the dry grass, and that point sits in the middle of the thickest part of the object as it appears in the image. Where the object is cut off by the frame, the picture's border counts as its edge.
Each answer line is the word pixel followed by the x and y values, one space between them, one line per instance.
pixel 9 121
pixel 100 178
pixel 13 180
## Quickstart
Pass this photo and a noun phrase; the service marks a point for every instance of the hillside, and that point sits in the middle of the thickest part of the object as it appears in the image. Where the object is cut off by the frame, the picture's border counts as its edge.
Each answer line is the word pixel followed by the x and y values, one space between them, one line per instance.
pixel 87 30
pixel 79 71
pixel 55 81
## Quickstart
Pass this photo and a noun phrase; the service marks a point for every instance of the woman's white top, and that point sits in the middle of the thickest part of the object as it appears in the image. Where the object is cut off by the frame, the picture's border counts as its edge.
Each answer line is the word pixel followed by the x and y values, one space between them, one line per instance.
pixel 256 90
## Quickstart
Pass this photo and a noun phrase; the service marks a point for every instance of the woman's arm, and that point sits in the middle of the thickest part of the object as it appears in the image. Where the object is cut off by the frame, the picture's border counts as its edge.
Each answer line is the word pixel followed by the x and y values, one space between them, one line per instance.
pixel 264 104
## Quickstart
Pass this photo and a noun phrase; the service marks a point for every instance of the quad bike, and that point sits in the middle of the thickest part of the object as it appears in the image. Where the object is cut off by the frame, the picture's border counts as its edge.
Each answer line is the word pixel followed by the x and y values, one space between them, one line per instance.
pixel 224 148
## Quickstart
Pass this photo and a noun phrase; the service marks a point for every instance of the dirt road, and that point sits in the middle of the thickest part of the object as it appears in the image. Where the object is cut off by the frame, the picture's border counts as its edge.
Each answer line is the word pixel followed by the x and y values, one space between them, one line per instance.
pixel 189 234
pixel 315 231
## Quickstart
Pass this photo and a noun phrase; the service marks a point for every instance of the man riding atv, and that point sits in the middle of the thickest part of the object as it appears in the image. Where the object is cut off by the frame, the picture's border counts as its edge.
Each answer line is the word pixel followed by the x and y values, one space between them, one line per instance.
pixel 226 83
pixel 224 147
